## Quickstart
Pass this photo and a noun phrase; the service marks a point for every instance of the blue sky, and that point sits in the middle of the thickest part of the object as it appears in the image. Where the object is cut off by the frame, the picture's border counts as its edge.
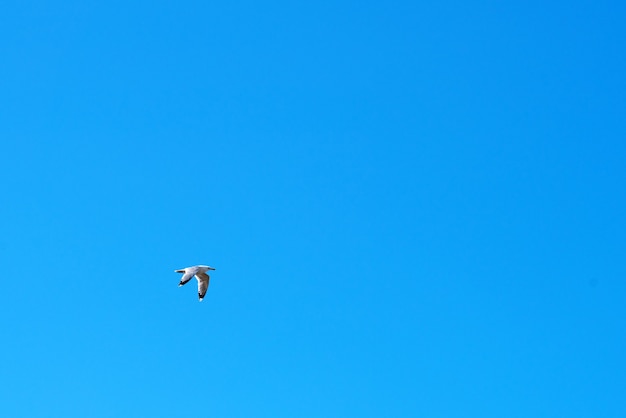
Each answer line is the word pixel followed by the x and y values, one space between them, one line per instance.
pixel 414 209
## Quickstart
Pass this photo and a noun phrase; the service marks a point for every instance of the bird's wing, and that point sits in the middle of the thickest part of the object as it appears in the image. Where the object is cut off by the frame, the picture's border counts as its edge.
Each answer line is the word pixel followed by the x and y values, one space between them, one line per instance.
pixel 186 277
pixel 203 284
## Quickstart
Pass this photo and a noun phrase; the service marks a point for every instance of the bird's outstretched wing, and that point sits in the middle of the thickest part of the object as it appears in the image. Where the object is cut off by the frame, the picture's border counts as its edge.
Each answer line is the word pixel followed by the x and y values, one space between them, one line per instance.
pixel 186 277
pixel 203 284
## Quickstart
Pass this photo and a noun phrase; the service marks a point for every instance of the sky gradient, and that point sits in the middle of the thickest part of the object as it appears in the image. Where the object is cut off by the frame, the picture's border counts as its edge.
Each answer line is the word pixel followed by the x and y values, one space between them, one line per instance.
pixel 415 209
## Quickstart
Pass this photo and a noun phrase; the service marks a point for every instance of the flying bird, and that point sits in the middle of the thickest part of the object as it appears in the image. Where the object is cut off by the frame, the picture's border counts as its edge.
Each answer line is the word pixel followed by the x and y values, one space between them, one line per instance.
pixel 201 275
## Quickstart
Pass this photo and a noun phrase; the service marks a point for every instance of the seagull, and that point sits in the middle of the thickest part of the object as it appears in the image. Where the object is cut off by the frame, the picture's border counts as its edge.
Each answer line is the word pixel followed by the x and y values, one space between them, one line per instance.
pixel 201 276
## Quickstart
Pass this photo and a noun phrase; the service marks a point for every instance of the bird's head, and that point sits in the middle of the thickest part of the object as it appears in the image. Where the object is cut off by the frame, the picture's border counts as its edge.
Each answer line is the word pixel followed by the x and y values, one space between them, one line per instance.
pixel 207 267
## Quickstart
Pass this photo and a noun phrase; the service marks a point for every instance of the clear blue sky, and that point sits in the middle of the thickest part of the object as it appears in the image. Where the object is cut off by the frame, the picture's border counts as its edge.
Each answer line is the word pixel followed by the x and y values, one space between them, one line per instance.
pixel 415 209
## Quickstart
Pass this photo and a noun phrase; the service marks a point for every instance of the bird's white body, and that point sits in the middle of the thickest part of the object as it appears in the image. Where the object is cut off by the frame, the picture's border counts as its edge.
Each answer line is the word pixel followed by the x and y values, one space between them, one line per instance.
pixel 201 275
